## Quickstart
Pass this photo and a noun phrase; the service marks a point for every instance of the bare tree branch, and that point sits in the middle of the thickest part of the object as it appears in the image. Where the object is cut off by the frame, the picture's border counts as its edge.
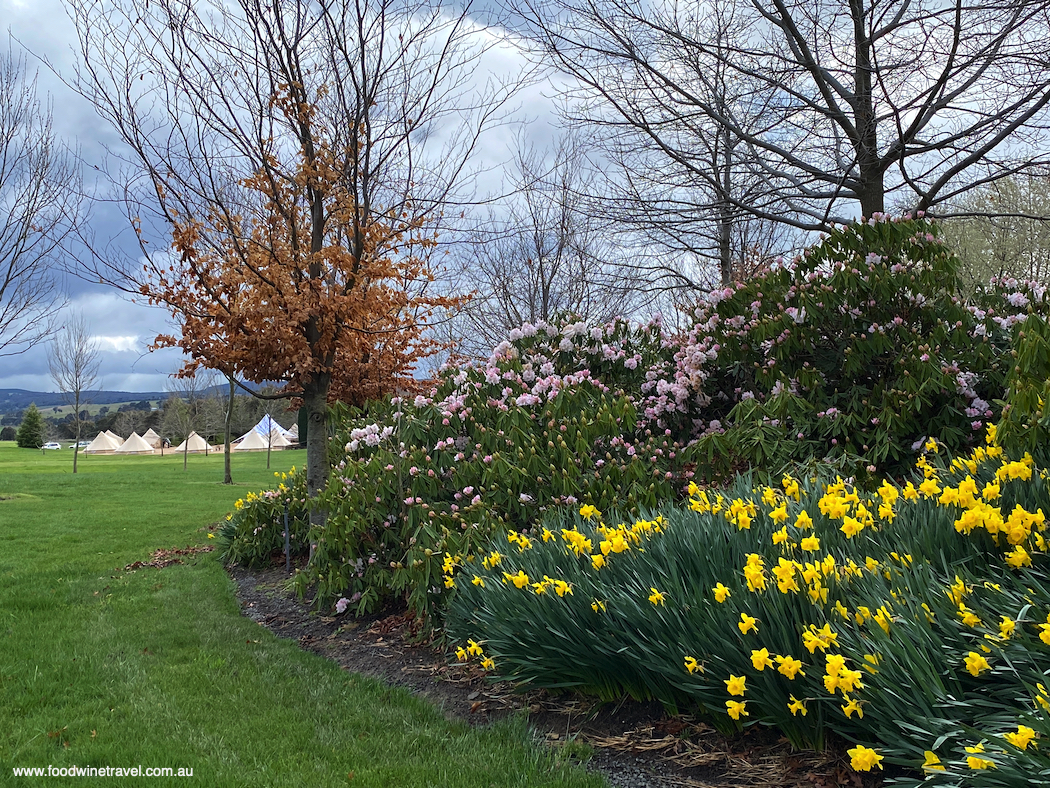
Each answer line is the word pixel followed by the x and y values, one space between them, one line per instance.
pixel 40 205
pixel 839 107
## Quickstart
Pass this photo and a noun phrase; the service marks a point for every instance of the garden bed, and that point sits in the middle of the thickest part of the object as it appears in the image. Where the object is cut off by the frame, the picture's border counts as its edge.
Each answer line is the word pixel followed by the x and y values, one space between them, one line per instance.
pixel 635 745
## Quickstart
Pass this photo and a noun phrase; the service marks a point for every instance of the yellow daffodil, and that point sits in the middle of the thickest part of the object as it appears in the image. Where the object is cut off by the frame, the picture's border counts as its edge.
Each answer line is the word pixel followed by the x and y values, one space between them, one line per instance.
pixel 932 762
pixel 1006 627
pixel 851 527
pixel 1044 633
pixel 1018 557
pixel 976 663
pixel 721 593
pixel 862 758
pixel 851 707
pixel 849 681
pixel 736 685
pixel 760 658
pixel 789 666
pixel 747 624
pixel 692 665
pixel 520 580
pixel 974 761
pixel 656 597
pixel 492 560
pixel 796 706
pixel 1022 738
pixel 736 709
pixel 929 488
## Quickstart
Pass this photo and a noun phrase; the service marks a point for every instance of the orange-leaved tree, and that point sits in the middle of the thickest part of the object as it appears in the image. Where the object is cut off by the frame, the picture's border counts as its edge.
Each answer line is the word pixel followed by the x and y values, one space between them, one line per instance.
pixel 307 287
pixel 300 155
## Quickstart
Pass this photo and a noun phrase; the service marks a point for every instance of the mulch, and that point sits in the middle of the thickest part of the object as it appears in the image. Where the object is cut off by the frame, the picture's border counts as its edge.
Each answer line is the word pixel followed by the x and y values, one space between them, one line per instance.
pixel 635 744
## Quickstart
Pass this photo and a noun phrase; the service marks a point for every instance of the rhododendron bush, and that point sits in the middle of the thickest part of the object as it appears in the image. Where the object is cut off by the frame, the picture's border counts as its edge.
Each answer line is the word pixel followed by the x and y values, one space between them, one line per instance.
pixel 860 350
pixel 855 353
pixel 486 453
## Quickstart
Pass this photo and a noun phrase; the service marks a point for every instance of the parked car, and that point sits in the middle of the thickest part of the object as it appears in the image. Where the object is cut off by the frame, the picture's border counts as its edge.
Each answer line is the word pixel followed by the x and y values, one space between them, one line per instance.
pixel 82 444
pixel 52 445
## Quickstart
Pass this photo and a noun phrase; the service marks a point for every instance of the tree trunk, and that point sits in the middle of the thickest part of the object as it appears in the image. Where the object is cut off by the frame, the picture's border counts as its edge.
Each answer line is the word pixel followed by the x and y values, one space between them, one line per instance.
pixel 315 400
pixel 725 211
pixel 872 197
pixel 725 251
pixel 228 478
pixel 76 422
pixel 871 190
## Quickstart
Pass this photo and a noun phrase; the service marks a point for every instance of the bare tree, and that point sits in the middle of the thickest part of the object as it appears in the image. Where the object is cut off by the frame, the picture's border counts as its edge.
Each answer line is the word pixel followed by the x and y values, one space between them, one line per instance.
pixel 74 362
pixel 285 130
pixel 39 205
pixel 540 254
pixel 184 410
pixel 682 213
pixel 836 106
pixel 1003 229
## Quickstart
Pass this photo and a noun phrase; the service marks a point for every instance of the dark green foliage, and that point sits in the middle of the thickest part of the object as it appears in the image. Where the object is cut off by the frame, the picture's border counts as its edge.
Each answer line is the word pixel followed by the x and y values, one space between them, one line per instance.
pixel 30 434
pixel 859 351
pixel 1025 426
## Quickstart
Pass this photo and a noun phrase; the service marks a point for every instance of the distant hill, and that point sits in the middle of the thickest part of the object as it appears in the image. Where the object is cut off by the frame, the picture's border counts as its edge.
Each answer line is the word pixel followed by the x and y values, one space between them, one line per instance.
pixel 13 400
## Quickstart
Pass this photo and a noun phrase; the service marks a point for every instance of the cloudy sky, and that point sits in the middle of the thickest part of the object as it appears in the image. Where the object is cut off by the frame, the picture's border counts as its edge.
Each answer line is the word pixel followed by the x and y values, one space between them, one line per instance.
pixel 125 329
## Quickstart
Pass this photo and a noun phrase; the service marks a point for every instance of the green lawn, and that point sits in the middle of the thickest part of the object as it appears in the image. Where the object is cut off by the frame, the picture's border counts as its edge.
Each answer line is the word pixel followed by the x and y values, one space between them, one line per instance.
pixel 105 668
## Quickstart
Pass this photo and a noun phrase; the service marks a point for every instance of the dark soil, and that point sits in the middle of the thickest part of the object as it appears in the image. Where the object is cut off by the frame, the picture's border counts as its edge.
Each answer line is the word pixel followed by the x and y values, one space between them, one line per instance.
pixel 635 745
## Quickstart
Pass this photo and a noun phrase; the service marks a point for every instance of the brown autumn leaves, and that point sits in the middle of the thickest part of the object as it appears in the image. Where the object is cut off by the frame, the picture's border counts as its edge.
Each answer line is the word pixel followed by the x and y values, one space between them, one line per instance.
pixel 307 281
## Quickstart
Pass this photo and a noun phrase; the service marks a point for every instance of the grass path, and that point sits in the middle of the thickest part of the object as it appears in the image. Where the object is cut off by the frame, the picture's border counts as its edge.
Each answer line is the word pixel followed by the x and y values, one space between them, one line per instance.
pixel 106 668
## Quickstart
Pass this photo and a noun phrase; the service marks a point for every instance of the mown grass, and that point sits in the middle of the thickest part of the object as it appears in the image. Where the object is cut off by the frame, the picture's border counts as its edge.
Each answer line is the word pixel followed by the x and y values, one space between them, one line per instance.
pixel 105 667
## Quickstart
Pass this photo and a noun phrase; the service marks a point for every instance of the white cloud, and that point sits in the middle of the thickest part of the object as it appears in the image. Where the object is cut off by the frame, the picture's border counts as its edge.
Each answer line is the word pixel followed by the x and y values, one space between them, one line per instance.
pixel 117 344
pixel 124 330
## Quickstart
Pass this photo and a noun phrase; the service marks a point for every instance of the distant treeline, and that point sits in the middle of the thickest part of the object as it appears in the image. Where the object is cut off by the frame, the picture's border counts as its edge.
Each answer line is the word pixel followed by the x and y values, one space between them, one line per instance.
pixel 15 400
pixel 202 412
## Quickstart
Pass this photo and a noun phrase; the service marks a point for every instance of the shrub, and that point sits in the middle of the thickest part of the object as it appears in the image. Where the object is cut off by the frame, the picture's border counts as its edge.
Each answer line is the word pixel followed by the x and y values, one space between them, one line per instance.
pixel 783 370
pixel 860 349
pixel 491 450
pixel 1025 426
pixel 254 532
pixel 808 607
